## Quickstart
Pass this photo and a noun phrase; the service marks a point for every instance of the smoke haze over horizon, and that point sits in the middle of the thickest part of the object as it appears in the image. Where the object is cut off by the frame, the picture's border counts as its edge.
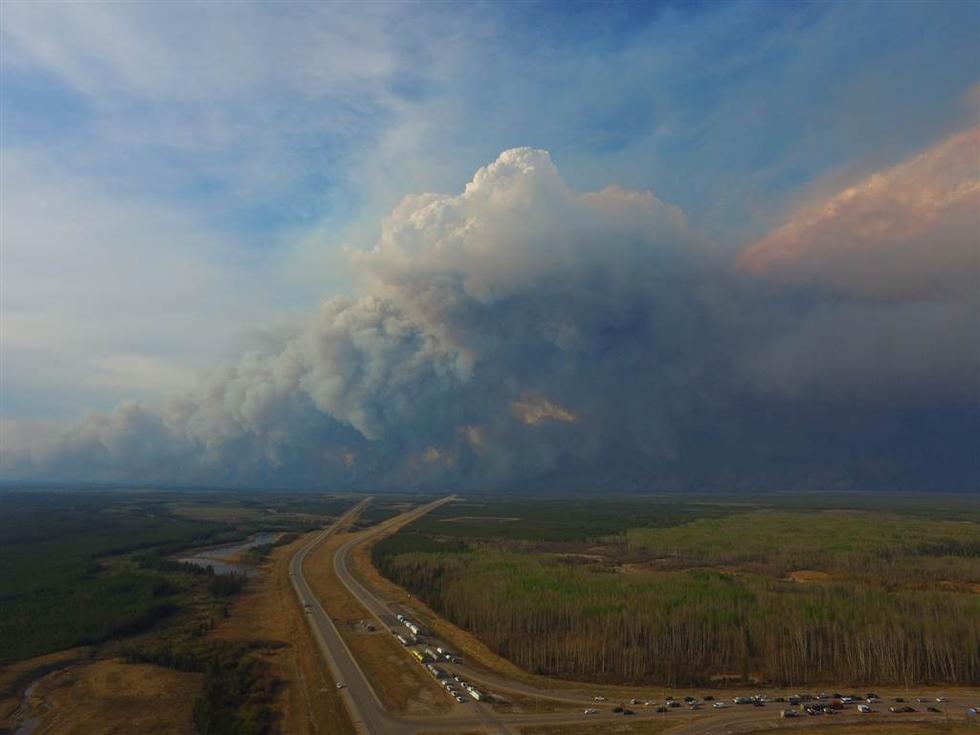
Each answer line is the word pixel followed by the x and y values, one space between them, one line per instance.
pixel 618 246
pixel 520 333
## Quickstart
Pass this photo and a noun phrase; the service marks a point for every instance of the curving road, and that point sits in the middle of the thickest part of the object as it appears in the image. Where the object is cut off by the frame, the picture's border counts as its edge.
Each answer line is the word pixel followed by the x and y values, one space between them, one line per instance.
pixel 366 709
pixel 372 718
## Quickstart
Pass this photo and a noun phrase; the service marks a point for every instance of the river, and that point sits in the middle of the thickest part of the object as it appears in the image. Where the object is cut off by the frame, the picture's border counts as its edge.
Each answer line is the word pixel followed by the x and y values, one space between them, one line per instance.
pixel 216 556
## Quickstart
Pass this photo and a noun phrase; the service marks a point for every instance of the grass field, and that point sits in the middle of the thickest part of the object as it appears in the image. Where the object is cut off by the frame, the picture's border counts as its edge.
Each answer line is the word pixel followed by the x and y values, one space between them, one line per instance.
pixel 880 590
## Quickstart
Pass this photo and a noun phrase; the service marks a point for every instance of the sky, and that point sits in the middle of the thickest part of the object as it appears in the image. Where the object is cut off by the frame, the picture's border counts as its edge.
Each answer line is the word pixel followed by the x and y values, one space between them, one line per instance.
pixel 624 246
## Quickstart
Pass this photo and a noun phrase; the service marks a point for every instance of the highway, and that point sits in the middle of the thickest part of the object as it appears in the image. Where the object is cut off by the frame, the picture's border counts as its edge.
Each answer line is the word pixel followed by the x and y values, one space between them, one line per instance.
pixel 366 709
pixel 371 717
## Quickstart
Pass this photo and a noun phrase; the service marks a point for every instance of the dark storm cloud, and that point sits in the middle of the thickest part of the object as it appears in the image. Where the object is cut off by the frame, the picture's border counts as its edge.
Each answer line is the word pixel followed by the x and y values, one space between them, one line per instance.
pixel 521 334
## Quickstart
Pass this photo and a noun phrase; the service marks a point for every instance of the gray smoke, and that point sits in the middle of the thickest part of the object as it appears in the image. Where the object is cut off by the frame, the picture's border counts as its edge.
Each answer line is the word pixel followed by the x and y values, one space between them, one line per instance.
pixel 522 335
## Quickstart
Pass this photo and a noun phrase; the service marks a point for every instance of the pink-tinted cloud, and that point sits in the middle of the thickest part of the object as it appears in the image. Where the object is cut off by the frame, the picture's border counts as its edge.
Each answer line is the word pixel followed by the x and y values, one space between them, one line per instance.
pixel 533 412
pixel 912 230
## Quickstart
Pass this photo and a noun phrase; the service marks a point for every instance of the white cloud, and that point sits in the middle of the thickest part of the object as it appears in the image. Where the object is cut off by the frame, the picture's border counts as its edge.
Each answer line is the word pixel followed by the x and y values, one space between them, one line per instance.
pixel 111 296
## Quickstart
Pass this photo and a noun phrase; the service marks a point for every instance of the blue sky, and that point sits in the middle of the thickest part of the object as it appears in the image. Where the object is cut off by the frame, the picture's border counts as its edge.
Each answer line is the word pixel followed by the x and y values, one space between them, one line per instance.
pixel 180 178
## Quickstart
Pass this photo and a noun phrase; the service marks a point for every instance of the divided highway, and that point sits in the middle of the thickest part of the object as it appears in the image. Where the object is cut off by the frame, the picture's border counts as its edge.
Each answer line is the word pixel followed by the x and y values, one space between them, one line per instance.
pixel 367 711
pixel 363 704
pixel 371 717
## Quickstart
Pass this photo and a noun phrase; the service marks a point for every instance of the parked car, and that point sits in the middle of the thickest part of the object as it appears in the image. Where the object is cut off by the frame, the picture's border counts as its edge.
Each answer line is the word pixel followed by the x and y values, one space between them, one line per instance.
pixel 930 708
pixel 591 711
pixel 708 698
pixel 864 709
pixel 902 709
pixel 719 705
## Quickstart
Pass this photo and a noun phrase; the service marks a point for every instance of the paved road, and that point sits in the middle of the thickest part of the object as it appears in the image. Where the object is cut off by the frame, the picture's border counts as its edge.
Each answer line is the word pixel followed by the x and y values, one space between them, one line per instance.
pixel 371 717
pixel 367 711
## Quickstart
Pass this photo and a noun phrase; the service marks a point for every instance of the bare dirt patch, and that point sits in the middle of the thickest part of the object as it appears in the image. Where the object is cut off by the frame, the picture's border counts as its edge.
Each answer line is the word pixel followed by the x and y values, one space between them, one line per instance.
pixel 109 696
pixel 808 576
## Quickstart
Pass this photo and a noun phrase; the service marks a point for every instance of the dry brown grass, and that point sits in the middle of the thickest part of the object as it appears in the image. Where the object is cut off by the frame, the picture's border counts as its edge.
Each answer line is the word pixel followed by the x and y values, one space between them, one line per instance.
pixel 509 702
pixel 604 728
pixel 16 677
pixel 110 697
pixel 268 610
pixel 808 576
pixel 401 684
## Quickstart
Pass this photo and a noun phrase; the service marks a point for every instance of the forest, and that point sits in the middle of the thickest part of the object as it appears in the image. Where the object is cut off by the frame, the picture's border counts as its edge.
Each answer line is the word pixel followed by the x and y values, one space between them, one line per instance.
pixel 98 567
pixel 708 593
pixel 85 566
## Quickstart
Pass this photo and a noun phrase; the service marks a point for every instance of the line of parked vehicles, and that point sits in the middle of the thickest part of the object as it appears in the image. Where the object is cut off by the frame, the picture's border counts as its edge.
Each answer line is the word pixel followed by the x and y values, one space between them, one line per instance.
pixel 808 704
pixel 454 685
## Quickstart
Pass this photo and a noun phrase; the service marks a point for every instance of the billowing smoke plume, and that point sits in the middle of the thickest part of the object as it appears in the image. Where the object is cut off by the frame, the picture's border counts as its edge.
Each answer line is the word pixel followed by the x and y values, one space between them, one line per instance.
pixel 522 335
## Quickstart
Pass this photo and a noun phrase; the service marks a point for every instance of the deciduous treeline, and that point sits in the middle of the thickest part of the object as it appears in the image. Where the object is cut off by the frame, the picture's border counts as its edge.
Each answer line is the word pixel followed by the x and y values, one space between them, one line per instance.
pixel 677 621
